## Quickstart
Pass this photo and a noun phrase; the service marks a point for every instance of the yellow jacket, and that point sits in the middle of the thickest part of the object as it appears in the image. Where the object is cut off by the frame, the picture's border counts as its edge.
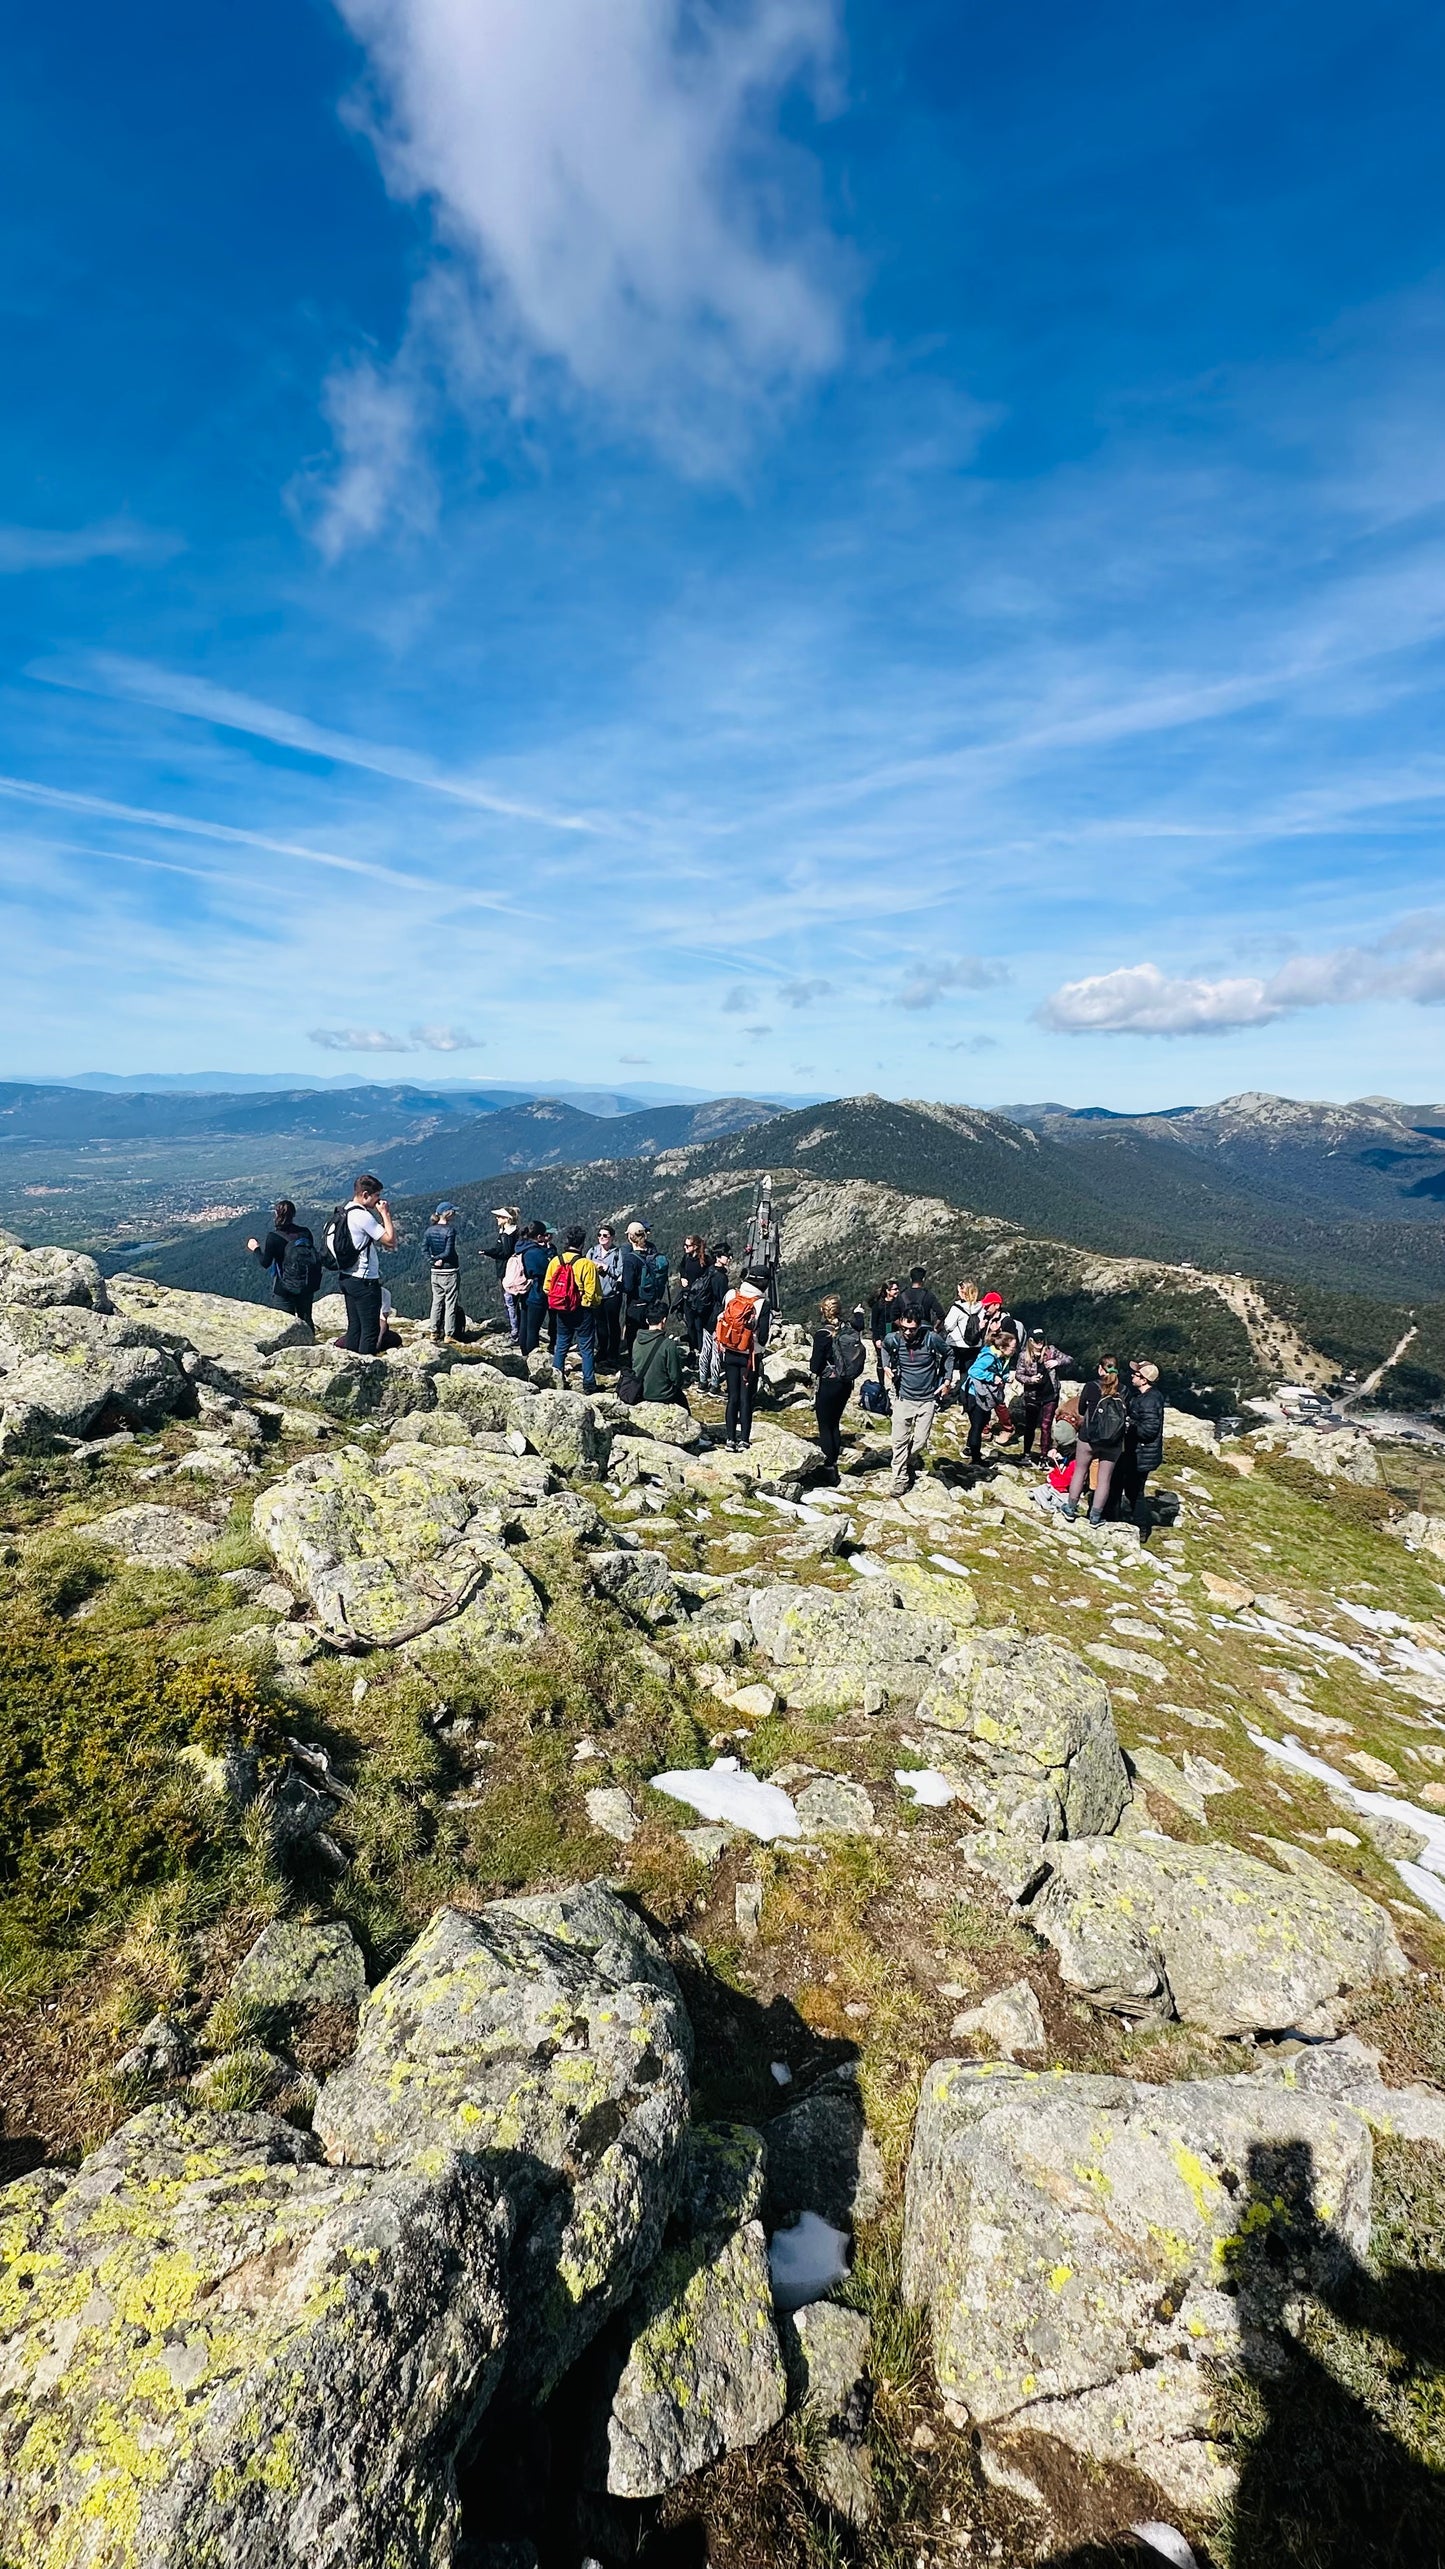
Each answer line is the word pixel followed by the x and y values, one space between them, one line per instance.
pixel 589 1283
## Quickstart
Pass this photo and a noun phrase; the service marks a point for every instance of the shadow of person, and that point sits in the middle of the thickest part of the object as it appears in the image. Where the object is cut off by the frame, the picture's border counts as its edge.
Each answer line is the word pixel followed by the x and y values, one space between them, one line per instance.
pixel 1330 2353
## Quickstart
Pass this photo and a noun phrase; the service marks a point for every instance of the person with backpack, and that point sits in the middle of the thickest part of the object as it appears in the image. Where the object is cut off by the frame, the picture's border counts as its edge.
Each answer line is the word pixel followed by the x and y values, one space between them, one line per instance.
pixel 355 1233
pixel 983 1390
pixel 644 1281
pixel 963 1323
pixel 1103 1428
pixel 1143 1443
pixel 921 1366
pixel 658 1367
pixel 502 1251
pixel 607 1259
pixel 917 1302
pixel 705 1299
pixel 439 1247
pixel 1040 1369
pixel 528 1275
pixel 837 1360
pixel 290 1257
pixel 742 1328
pixel 574 1295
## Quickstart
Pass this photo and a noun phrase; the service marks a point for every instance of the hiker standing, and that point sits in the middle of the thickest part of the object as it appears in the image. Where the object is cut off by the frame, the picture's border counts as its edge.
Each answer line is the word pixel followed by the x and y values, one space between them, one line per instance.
pixel 742 1328
pixel 607 1259
pixel 289 1255
pixel 919 1361
pixel 917 1302
pixel 501 1251
pixel 1103 1426
pixel 691 1268
pixel 983 1389
pixel 574 1295
pixel 644 1281
pixel 880 1320
pixel 963 1324
pixel 358 1230
pixel 711 1292
pixel 533 1259
pixel 1040 1368
pixel 837 1360
pixel 1143 1442
pixel 439 1241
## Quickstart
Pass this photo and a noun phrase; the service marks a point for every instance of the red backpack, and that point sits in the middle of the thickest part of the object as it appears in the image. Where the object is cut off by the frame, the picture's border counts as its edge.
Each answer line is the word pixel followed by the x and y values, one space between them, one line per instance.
pixel 564 1294
pixel 737 1328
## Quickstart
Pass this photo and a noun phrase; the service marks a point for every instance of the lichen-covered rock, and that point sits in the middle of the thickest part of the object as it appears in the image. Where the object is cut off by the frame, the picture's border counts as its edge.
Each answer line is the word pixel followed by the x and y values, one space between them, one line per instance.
pixel 702 2372
pixel 217 2354
pixel 372 1387
pixel 640 1581
pixel 665 1423
pixel 41 1278
pixel 825 2349
pixel 301 1963
pixel 66 1366
pixel 776 1458
pixel 1010 2022
pixel 481 1394
pixel 1221 1939
pixel 565 1428
pixel 391 1555
pixel 831 1645
pixel 240 1336
pixel 1091 2248
pixel 1032 1718
pixel 152 1537
pixel 547 2037
pixel 834 1806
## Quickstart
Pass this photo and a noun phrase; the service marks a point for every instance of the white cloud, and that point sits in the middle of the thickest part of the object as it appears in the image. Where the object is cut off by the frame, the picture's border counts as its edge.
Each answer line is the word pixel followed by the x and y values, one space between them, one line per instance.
pixel 927 982
pixel 635 1061
pixel 357 1039
pixel 736 1001
pixel 60 548
pixel 801 994
pixel 1139 999
pixel 446 1039
pixel 617 212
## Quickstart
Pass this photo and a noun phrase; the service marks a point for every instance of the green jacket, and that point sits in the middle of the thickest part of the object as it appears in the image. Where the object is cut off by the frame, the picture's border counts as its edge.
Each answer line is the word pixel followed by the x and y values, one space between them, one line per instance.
pixel 657 1363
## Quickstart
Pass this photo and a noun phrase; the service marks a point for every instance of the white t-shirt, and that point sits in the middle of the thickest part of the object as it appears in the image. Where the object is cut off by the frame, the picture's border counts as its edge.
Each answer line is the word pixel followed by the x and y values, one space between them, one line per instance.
pixel 365 1232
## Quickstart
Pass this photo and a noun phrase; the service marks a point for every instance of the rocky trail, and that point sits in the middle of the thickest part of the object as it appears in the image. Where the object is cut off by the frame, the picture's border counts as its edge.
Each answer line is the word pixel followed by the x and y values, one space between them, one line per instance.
pixel 569 1995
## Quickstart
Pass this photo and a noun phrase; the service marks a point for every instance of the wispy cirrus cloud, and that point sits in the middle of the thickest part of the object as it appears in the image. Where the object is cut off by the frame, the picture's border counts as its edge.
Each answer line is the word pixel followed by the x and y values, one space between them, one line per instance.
pixel 62 548
pixel 619 223
pixel 1139 999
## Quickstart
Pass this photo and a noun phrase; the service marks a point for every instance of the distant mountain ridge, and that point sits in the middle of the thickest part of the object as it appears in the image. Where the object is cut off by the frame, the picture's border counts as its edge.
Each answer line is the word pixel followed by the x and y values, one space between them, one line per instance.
pixel 1373 1155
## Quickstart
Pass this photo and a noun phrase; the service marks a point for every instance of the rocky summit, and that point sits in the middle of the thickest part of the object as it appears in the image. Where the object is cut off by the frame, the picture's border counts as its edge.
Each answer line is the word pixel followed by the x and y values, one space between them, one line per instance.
pixel 572 1994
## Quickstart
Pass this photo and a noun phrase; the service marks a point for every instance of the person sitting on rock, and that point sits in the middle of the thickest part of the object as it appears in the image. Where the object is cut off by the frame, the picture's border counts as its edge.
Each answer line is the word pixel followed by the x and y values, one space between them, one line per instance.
pixel 657 1360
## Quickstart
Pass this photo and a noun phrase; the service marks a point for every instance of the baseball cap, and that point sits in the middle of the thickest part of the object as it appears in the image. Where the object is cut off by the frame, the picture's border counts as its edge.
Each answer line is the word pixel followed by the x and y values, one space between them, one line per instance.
pixel 995 1299
pixel 443 1210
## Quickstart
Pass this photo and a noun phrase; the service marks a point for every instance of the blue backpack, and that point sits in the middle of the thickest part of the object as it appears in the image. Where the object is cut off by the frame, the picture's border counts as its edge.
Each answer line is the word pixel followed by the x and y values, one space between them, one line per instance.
pixel 874 1398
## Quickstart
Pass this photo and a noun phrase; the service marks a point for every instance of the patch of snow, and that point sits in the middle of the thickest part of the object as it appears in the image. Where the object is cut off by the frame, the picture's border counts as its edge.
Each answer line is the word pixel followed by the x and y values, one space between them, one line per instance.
pixel 946 1561
pixel 930 1790
pixel 866 1566
pixel 1168 2542
pixel 725 1791
pixel 806 2260
pixel 1422 1878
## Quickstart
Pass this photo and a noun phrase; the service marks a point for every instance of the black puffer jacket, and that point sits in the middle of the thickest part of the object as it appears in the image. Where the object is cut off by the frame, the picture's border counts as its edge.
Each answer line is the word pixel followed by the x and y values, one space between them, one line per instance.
pixel 1146 1427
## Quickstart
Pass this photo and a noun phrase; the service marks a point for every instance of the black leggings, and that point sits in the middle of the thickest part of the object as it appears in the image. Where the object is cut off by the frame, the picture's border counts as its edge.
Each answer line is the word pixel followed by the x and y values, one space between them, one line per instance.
pixel 738 1373
pixel 298 1304
pixel 980 1416
pixel 830 1400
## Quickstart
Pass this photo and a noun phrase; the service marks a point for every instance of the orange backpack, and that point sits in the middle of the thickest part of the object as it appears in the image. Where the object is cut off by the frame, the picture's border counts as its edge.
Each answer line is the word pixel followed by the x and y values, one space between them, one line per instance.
pixel 737 1328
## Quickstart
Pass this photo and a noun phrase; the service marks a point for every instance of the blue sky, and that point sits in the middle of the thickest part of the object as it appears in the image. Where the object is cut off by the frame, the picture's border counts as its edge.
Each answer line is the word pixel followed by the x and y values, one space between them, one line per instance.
pixel 787 547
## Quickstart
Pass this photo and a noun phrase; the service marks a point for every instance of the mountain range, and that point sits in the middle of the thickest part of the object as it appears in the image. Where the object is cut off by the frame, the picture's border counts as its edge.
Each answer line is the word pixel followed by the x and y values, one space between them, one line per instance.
pixel 1141 1238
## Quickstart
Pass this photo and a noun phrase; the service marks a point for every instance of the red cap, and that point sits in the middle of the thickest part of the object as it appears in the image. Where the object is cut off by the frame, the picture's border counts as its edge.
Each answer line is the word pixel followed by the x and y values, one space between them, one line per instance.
pixel 991 1297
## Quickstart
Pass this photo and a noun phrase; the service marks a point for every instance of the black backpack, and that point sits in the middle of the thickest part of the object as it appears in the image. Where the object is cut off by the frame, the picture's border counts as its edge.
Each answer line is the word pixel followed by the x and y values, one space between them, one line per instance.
pixel 338 1249
pixel 300 1270
pixel 699 1296
pixel 849 1355
pixel 1106 1422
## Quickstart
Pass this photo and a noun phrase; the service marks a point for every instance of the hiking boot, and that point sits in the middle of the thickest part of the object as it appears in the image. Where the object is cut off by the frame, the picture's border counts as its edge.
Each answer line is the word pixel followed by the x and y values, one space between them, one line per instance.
pixel 1069 1510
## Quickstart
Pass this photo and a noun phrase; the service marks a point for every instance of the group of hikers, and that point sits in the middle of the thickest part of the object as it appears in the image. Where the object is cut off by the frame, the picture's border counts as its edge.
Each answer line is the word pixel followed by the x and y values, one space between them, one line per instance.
pixel 620 1309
